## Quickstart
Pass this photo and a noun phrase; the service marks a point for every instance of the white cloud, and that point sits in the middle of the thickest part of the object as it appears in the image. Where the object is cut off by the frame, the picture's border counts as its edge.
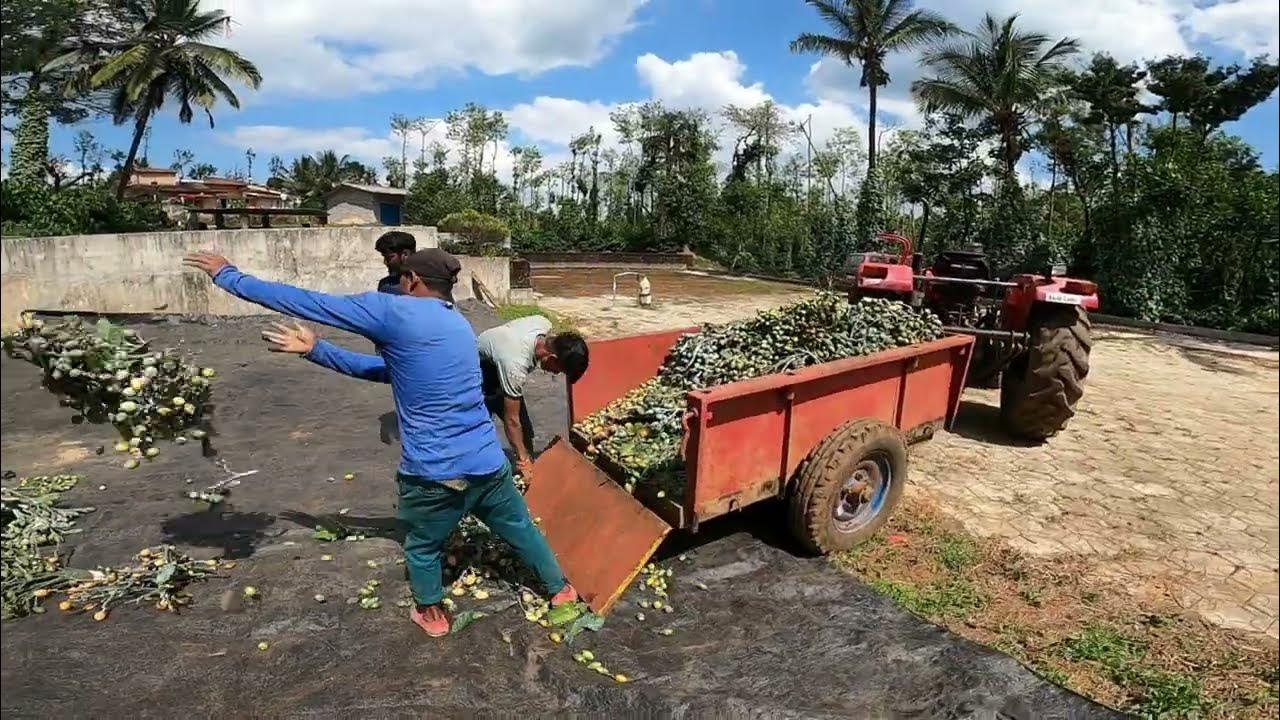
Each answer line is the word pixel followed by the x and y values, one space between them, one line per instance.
pixel 1129 29
pixel 555 120
pixel 333 48
pixel 704 81
pixel 707 80
pixel 831 80
pixel 1250 26
pixel 361 144
pixel 286 141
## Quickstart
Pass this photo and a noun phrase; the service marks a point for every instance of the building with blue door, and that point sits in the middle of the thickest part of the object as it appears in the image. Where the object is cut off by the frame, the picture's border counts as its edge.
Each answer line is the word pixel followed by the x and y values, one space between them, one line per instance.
pixel 356 204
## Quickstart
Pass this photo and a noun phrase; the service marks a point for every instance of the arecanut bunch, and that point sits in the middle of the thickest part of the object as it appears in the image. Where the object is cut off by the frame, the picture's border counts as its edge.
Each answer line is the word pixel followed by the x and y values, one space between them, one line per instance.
pixel 640 432
pixel 109 374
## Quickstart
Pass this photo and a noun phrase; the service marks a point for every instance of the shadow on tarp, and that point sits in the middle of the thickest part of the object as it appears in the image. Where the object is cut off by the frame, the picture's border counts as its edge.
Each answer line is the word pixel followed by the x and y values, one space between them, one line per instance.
pixel 238 534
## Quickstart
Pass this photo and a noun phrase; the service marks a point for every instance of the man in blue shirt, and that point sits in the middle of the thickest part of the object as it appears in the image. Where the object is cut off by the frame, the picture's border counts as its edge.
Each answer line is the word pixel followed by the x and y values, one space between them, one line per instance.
pixel 395 247
pixel 451 462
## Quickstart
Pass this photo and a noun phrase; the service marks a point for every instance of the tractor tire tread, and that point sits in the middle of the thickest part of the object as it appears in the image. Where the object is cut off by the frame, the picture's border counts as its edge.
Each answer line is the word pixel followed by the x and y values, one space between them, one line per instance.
pixel 1039 404
pixel 820 475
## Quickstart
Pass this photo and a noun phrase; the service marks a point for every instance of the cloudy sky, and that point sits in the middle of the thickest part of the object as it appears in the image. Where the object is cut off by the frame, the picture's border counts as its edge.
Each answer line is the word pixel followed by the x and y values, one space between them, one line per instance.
pixel 335 70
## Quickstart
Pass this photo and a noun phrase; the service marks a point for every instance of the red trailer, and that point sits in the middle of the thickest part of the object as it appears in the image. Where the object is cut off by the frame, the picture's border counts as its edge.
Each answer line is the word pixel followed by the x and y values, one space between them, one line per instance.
pixel 831 439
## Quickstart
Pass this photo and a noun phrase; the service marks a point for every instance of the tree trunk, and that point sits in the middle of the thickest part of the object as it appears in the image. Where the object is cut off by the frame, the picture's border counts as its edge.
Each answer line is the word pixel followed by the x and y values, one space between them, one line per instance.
pixel 1115 160
pixel 139 127
pixel 1009 138
pixel 404 159
pixel 1053 181
pixel 871 128
pixel 31 138
pixel 1174 115
pixel 924 227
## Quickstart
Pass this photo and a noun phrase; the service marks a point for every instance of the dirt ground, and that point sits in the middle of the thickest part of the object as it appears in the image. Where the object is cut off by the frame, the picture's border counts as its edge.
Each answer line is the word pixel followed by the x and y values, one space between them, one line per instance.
pixel 774 634
pixel 1167 477
pixel 584 296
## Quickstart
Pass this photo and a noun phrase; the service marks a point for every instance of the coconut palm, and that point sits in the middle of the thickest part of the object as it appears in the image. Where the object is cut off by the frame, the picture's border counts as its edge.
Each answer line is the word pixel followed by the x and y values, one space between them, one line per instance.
pixel 311 177
pixel 997 74
pixel 163 56
pixel 865 32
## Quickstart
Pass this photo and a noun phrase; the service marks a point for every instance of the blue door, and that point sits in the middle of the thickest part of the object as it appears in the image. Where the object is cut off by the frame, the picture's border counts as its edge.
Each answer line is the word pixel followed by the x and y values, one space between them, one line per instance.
pixel 389 213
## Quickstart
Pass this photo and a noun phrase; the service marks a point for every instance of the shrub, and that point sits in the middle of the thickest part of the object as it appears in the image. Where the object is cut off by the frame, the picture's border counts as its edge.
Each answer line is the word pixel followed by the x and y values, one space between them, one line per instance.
pixel 38 210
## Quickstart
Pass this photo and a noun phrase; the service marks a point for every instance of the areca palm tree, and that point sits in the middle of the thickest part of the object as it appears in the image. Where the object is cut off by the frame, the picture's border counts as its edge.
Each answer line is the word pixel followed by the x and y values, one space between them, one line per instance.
pixel 163 56
pixel 865 32
pixel 997 74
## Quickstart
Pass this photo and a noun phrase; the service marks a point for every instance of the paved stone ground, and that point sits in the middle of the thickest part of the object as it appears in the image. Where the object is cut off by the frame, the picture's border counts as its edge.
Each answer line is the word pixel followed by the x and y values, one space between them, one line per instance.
pixel 1168 474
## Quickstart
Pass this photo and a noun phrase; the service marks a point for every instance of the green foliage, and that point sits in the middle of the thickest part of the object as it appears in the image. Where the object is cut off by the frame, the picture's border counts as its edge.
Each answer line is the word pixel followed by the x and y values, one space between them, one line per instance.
pixel 1009 231
pixel 997 75
pixel 311 177
pixel 1207 96
pixel 1187 237
pixel 869 217
pixel 477 228
pixel 38 210
pixel 31 143
pixel 431 198
pixel 162 54
pixel 868 30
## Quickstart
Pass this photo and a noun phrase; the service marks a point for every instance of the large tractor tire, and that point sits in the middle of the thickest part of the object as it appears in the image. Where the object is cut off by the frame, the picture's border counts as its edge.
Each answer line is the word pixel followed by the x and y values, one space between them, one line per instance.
pixel 1041 386
pixel 848 486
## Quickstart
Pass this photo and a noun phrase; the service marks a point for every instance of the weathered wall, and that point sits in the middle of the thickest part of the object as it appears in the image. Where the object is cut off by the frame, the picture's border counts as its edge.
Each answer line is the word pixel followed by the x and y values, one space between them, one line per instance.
pixel 143 273
pixel 348 206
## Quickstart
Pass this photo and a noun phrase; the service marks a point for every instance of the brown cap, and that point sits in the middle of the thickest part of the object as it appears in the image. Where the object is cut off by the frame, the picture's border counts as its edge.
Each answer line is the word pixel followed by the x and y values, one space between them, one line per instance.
pixel 433 263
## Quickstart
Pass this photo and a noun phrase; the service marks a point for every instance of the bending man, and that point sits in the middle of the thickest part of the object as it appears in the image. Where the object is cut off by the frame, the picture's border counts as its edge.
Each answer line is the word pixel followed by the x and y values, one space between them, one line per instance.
pixel 508 353
pixel 451 462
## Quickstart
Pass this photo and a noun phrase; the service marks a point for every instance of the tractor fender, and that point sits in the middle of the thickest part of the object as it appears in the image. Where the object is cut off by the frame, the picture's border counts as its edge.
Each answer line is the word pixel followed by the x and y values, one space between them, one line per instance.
pixel 1032 290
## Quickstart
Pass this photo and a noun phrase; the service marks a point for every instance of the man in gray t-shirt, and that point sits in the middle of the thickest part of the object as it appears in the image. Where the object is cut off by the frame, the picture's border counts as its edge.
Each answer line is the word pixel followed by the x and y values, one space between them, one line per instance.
pixel 508 353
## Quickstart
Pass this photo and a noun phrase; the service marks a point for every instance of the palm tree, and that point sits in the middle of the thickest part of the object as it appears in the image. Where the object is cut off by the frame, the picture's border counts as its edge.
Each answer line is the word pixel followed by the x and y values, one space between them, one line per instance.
pixel 311 177
pixel 998 75
pixel 162 56
pixel 866 31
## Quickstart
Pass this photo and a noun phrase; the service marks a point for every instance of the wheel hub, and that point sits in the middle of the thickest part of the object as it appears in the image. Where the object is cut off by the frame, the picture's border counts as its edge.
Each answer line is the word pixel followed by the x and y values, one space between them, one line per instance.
pixel 860 496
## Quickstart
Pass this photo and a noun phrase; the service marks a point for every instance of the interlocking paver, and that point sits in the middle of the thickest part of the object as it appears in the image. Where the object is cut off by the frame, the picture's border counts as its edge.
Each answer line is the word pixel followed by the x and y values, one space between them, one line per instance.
pixel 1168 459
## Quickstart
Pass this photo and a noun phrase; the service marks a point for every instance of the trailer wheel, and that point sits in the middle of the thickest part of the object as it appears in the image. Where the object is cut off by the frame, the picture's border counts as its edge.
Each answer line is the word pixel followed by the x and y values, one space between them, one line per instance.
pixel 849 486
pixel 1041 387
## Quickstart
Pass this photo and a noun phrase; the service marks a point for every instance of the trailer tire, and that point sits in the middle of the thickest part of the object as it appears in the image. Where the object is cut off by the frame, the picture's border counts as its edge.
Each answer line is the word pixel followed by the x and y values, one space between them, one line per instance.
pixel 1040 388
pixel 848 486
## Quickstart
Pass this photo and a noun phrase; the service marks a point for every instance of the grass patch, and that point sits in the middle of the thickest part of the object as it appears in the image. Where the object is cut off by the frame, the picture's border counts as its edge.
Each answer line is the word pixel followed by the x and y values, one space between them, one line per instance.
pixel 515 311
pixel 956 552
pixel 1098 639
pixel 956 599
pixel 1154 693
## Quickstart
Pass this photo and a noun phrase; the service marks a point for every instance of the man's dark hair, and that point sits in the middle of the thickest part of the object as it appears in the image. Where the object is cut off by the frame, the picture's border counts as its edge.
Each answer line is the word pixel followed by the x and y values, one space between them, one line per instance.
pixel 571 350
pixel 396 241
pixel 440 285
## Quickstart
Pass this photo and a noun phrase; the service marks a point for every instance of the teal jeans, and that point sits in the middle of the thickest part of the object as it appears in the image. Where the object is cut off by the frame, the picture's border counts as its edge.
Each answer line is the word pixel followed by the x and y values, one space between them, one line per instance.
pixel 429 511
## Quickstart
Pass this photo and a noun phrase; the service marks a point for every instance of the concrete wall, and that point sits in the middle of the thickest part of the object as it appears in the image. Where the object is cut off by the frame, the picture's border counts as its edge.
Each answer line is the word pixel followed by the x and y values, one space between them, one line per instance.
pixel 348 206
pixel 143 273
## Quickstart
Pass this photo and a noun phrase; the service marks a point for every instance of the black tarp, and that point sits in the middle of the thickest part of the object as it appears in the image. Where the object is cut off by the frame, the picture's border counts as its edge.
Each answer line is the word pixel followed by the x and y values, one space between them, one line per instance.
pixel 774 635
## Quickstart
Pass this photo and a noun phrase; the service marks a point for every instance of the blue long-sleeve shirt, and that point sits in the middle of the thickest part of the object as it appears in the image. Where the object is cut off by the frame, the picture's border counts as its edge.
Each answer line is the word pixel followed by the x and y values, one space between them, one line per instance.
pixel 428 354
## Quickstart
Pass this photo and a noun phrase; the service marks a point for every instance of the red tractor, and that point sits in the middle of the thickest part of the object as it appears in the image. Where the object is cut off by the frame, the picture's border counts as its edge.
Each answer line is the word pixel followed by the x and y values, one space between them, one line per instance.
pixel 1032 331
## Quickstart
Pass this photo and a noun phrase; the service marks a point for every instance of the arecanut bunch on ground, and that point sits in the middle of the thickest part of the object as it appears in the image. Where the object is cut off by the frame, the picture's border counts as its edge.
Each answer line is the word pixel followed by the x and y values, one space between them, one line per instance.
pixel 640 433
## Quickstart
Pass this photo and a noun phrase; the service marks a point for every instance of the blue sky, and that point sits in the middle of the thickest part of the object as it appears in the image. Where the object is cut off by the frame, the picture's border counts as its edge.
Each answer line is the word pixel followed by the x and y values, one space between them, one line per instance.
pixel 336 70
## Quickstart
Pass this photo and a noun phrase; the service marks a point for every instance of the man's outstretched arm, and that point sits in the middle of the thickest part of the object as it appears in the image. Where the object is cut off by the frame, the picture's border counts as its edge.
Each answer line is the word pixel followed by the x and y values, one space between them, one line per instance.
pixel 300 340
pixel 361 313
